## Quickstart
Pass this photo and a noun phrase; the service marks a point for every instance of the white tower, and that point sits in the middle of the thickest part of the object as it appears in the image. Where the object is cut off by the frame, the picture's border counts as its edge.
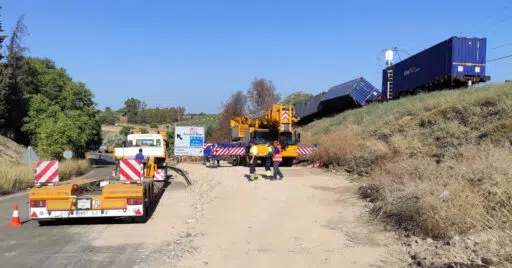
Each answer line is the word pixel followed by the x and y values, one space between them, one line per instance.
pixel 389 71
pixel 389 57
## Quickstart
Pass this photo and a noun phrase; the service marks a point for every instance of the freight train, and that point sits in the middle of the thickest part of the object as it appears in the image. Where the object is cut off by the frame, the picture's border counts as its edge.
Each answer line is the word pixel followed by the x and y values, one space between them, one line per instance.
pixel 452 63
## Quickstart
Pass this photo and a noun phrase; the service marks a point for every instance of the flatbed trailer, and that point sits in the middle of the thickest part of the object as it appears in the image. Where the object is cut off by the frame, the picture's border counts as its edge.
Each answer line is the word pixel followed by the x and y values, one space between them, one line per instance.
pixel 98 198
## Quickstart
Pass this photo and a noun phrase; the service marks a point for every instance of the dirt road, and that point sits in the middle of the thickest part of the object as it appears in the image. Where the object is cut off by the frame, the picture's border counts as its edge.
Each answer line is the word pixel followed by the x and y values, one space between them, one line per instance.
pixel 310 219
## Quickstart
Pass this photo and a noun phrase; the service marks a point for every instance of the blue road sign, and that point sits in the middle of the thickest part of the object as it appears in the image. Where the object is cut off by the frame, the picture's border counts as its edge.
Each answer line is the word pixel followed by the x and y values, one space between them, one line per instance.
pixel 196 141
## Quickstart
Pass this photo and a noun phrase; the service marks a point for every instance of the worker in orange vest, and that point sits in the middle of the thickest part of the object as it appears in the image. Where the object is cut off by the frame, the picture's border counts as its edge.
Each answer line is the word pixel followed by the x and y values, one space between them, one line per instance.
pixel 253 152
pixel 268 159
pixel 277 158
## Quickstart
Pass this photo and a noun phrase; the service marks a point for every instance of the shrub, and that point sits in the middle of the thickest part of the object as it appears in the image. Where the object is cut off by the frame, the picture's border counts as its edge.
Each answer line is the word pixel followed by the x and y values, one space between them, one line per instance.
pixel 125 131
pixel 114 139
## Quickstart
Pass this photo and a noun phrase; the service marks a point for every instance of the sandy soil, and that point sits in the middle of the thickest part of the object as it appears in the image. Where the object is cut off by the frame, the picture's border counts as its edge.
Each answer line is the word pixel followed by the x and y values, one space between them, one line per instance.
pixel 310 219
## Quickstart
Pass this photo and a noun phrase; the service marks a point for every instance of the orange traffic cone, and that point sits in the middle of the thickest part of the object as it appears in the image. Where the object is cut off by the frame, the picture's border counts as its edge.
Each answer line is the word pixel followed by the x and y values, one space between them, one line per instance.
pixel 15 217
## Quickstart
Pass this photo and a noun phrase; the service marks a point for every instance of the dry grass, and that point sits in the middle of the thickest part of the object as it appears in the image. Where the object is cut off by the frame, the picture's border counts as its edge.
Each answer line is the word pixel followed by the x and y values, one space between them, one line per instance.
pixel 438 164
pixel 15 176
pixel 346 147
pixel 75 167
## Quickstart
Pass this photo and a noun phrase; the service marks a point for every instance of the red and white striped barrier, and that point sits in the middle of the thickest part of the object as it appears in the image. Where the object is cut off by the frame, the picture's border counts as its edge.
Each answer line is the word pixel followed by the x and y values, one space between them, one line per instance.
pixel 159 175
pixel 47 171
pixel 206 145
pixel 241 150
pixel 305 150
pixel 130 170
pixel 229 151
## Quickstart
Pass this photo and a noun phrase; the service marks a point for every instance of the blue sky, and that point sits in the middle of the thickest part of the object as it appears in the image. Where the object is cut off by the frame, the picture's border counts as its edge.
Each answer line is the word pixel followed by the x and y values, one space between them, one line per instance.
pixel 196 53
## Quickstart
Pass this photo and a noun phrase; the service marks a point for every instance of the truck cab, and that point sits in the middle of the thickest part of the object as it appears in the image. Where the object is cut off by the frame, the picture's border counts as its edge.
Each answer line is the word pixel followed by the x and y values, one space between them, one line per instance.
pixel 154 149
pixel 288 141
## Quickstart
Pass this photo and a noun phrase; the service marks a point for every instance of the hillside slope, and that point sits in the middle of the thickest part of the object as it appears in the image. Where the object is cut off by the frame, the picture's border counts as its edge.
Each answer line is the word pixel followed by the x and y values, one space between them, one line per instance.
pixel 10 150
pixel 435 165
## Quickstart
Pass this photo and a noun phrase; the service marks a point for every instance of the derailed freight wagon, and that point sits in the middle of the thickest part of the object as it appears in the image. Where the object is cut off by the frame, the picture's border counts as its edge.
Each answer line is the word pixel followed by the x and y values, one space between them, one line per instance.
pixel 349 95
pixel 449 64
pixel 308 108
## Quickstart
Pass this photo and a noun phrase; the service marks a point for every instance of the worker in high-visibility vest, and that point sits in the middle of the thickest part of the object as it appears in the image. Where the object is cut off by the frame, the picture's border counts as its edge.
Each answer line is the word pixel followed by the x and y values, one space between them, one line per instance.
pixel 207 153
pixel 215 157
pixel 268 159
pixel 277 158
pixel 253 151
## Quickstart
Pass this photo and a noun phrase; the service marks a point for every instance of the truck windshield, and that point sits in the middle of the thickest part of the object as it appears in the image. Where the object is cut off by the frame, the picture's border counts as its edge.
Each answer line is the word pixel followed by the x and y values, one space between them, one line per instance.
pixel 288 137
pixel 263 137
pixel 145 142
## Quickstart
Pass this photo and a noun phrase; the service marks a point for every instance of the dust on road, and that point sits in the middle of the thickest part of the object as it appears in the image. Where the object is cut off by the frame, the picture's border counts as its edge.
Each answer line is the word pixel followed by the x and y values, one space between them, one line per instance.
pixel 310 219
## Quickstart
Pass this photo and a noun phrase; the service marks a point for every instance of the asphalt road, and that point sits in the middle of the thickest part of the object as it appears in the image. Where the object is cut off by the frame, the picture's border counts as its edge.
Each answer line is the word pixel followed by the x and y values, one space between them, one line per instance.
pixel 64 245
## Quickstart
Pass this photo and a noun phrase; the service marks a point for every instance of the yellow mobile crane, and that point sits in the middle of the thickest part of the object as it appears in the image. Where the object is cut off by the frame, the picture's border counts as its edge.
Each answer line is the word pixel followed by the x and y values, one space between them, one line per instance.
pixel 276 123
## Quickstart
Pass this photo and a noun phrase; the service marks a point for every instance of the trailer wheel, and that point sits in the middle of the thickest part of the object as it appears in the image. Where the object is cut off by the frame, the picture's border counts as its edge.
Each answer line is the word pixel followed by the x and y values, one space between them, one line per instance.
pixel 151 195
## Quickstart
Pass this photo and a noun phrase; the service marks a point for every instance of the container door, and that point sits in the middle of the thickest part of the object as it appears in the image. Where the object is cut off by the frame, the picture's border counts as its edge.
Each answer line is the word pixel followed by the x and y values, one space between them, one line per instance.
pixel 469 56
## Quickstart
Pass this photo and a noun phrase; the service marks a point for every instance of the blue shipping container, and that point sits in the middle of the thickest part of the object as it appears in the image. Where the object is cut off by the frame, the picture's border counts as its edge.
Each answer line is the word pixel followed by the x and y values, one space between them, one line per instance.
pixel 359 89
pixel 451 63
pixel 352 94
pixel 308 107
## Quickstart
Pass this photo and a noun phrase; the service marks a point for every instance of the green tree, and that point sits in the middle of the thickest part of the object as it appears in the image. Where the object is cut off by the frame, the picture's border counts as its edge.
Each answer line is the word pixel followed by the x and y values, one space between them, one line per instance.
pixel 108 117
pixel 209 132
pixel 41 104
pixel 18 80
pixel 141 117
pixel 170 142
pixel 62 113
pixel 125 131
pixel 114 139
pixel 4 80
pixel 132 107
pixel 296 97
